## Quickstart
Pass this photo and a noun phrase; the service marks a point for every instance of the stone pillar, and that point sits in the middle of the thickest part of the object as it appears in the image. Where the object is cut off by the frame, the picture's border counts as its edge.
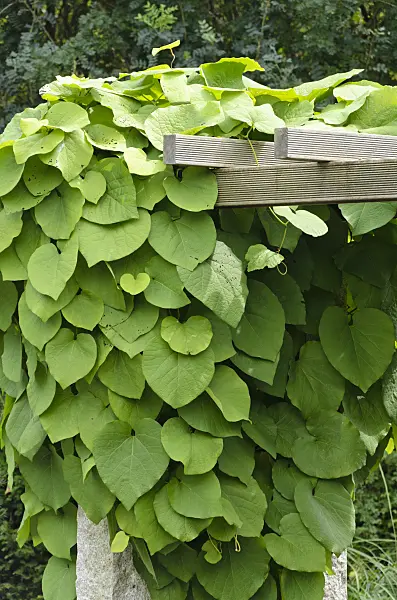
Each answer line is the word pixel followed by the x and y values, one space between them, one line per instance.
pixel 336 585
pixel 102 575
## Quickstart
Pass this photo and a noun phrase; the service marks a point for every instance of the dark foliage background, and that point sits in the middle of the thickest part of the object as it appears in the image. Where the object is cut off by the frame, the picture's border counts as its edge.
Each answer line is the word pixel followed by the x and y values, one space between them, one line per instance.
pixel 294 41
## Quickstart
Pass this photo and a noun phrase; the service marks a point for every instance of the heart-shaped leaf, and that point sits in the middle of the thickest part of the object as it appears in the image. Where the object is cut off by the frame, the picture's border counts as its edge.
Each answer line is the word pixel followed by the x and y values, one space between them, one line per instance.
pixel 58 214
pixel 70 359
pixel 230 394
pixel 10 171
pixel 360 351
pixel 134 285
pixel 191 337
pixel 58 532
pixel 295 548
pixel 196 191
pixel 130 465
pixel 180 527
pixel 196 496
pixel 301 586
pixel 197 451
pixel 92 186
pixel 138 163
pixel 49 271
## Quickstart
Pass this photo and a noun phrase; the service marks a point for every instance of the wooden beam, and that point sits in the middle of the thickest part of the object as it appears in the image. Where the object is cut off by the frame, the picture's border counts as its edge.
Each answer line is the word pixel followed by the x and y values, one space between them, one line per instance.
pixel 204 151
pixel 303 143
pixel 307 183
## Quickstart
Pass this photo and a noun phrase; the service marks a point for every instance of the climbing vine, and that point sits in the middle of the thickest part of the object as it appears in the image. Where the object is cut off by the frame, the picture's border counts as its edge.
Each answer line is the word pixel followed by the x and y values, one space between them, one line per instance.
pixel 214 381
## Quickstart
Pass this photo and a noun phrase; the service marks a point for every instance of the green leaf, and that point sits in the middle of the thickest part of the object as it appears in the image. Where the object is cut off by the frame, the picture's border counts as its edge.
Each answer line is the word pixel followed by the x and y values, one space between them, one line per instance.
pixel 127 332
pixel 24 430
pixel 367 412
pixel 289 294
pixel 249 503
pixel 165 289
pixel 327 510
pixel 67 116
pixel 10 170
pixel 150 529
pixel 212 554
pixel 69 358
pixel 59 580
pixel 262 428
pixel 185 241
pixel 59 213
pixel 44 476
pixel 60 420
pixel 49 271
pixel 260 257
pixel 100 281
pixel 192 337
pixel 58 531
pixel 276 232
pixel 33 328
pixel 219 283
pixel 263 370
pixel 170 46
pixel 12 355
pixel 228 72
pixel 197 190
pixel 300 586
pixel 132 411
pixel 362 351
pixel 329 430
pixel 9 300
pixel 41 390
pixel 90 493
pixel 119 201
pixel 185 118
pixel 286 477
pixel 203 414
pixel 39 143
pixel 313 383
pixel 92 185
pixel 85 310
pixel 138 163
pixel 295 548
pixel 178 526
pixel 279 507
pixel 105 138
pixel 111 242
pixel 44 306
pixel 130 465
pixel 71 156
pixel 196 496
pixel 176 378
pixel 150 190
pixel 20 199
pixel 10 228
pixel 197 451
pixel 377 115
pixel 303 220
pixel 181 562
pixel 365 217
pixel 123 374
pixel 40 179
pixel 134 285
pixel 239 106
pixel 120 542
pixel 230 394
pixel 237 459
pixel 263 319
pixel 249 569
pixel 92 417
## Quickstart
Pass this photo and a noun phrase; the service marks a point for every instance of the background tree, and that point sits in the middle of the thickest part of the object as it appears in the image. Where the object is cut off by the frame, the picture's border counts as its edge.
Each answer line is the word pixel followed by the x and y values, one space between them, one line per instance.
pixel 295 41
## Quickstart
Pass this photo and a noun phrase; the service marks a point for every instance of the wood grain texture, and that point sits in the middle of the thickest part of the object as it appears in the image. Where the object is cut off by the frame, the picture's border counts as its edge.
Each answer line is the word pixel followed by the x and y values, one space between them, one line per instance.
pixel 204 151
pixel 307 183
pixel 303 143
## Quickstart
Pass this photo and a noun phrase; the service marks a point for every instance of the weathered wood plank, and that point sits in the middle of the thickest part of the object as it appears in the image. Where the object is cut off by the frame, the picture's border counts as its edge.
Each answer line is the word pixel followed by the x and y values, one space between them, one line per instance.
pixel 307 183
pixel 204 151
pixel 302 143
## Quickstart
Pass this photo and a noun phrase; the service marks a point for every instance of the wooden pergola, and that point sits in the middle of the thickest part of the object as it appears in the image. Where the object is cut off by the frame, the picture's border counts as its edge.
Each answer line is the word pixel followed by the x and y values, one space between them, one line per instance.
pixel 302 166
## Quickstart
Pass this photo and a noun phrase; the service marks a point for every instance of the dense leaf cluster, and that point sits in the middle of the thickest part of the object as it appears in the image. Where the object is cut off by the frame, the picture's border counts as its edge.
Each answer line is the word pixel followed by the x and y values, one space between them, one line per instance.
pixel 294 40
pixel 212 380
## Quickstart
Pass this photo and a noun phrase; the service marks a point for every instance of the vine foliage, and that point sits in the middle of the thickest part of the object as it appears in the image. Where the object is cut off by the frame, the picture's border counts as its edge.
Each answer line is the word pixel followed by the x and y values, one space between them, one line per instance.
pixel 214 381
